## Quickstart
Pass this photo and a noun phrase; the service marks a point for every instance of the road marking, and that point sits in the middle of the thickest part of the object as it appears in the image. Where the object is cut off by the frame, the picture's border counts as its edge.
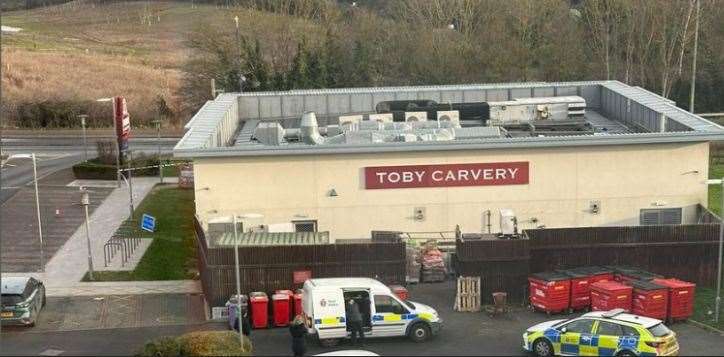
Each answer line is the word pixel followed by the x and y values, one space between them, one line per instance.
pixel 51 352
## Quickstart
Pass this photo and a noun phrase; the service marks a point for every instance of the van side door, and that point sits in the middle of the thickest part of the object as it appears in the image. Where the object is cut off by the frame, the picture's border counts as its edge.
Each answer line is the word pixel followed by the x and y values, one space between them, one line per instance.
pixel 390 317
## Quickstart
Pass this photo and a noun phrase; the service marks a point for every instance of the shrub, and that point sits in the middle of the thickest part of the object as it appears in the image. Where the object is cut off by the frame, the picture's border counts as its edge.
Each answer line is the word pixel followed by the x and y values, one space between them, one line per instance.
pixel 97 169
pixel 214 343
pixel 164 346
pixel 199 343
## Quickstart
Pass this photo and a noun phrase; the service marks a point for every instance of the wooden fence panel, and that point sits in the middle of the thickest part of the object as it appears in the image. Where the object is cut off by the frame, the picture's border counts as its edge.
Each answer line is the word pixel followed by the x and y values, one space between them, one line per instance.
pixel 271 268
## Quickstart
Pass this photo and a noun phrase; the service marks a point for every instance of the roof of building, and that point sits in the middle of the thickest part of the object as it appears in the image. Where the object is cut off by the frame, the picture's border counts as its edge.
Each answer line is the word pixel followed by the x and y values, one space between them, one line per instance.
pixel 616 113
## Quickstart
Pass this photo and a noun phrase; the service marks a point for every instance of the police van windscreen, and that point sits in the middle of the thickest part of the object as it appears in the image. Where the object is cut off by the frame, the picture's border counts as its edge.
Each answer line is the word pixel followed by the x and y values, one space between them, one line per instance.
pixel 409 305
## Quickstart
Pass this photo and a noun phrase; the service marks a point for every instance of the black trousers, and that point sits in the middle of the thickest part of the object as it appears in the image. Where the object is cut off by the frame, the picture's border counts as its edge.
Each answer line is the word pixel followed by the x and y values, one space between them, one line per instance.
pixel 356 328
pixel 298 346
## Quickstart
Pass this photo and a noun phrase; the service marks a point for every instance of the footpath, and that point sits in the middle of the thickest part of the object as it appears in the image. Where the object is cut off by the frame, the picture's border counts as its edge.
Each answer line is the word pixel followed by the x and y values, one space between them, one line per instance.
pixel 65 270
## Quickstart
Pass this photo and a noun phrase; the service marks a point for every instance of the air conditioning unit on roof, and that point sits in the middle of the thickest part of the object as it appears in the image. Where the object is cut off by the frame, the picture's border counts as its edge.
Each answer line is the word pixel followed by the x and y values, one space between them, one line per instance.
pixel 415 116
pixel 349 119
pixel 382 118
pixel 452 116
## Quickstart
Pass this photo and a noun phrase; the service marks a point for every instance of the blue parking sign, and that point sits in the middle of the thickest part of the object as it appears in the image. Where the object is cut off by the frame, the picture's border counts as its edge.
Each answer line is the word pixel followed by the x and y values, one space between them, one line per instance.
pixel 148 223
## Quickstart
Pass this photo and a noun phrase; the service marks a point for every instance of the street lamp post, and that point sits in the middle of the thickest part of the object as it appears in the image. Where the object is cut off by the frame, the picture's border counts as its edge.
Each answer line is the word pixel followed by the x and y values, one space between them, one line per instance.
pixel 238 273
pixel 37 203
pixel 37 211
pixel 85 201
pixel 242 78
pixel 238 284
pixel 85 144
pixel 717 300
pixel 158 141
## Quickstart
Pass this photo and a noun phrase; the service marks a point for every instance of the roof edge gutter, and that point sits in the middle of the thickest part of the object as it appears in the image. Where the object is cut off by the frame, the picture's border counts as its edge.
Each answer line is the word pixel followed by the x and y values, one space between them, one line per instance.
pixel 547 142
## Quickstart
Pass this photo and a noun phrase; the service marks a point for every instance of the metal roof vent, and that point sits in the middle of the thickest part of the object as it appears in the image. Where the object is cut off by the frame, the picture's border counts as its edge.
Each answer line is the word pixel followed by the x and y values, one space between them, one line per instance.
pixel 269 133
pixel 309 129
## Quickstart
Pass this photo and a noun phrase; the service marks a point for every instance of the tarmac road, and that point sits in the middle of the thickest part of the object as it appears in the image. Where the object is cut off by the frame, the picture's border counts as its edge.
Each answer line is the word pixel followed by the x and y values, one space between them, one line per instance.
pixel 57 153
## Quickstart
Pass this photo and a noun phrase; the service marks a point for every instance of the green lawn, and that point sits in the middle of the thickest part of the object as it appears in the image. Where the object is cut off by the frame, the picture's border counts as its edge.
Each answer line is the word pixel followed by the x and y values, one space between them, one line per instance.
pixel 172 253
pixel 705 296
pixel 704 307
pixel 716 171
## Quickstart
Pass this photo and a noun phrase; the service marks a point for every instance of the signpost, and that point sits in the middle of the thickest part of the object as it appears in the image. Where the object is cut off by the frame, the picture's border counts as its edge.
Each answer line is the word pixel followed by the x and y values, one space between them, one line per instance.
pixel 148 223
pixel 122 124
pixel 447 175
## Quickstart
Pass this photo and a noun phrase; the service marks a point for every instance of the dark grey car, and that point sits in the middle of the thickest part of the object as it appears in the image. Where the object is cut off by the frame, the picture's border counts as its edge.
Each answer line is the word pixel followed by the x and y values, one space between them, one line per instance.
pixel 22 300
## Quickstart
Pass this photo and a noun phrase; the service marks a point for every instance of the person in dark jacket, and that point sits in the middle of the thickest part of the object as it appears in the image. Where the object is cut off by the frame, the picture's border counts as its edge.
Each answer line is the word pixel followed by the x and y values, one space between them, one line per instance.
pixel 354 320
pixel 298 332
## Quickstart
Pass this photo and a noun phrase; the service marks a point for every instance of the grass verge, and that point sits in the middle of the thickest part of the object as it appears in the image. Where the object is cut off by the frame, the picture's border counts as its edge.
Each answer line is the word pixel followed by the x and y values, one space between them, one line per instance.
pixel 172 254
pixel 704 308
pixel 716 171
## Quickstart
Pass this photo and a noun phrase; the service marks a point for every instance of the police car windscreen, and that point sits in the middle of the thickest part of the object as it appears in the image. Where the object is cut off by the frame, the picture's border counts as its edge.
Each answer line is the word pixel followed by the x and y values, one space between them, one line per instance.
pixel 659 330
pixel 409 304
pixel 11 299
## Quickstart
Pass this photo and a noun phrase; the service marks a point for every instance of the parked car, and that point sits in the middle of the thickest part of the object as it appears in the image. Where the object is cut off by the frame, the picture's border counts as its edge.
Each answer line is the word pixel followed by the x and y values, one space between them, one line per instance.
pixel 22 300
pixel 601 333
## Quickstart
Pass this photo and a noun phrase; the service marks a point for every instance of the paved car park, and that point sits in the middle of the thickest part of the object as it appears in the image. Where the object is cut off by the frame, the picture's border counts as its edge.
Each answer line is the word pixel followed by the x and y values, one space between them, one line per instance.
pixel 116 311
pixel 121 324
pixel 470 333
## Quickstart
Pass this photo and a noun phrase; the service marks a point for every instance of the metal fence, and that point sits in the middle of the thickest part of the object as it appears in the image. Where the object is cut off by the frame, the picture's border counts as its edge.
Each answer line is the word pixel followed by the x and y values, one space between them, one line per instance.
pixel 270 268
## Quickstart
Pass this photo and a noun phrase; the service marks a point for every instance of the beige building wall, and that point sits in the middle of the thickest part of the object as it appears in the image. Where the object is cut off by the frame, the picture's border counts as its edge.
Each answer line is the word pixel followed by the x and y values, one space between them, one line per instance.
pixel 563 182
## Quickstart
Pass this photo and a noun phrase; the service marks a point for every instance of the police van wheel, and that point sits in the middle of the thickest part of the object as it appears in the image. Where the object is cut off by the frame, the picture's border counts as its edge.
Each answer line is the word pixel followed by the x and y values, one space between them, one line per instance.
pixel 625 354
pixel 328 342
pixel 542 348
pixel 419 332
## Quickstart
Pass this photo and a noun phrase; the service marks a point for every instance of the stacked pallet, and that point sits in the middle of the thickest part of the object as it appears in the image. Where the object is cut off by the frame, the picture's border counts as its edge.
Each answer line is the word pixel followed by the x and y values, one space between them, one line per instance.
pixel 412 265
pixel 468 294
pixel 433 265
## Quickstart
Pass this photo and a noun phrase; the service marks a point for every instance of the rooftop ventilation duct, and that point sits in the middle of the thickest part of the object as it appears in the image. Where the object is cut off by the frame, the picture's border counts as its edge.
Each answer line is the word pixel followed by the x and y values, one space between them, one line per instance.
pixel 309 129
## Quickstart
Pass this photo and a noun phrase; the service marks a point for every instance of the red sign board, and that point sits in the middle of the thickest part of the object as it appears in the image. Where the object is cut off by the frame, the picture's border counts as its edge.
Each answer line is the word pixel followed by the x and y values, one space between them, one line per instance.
pixel 300 276
pixel 447 175
pixel 122 122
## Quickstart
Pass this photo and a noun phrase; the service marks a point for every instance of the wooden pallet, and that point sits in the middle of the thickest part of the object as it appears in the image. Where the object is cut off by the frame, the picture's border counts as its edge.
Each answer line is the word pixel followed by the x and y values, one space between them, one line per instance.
pixel 468 294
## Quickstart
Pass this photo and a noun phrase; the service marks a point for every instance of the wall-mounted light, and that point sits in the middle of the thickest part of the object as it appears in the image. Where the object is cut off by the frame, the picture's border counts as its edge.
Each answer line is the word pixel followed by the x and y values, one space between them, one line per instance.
pixel 332 193
pixel 213 211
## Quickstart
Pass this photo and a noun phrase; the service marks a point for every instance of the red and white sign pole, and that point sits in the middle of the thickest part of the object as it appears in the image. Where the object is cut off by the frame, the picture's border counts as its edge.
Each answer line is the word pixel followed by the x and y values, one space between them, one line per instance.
pixel 447 175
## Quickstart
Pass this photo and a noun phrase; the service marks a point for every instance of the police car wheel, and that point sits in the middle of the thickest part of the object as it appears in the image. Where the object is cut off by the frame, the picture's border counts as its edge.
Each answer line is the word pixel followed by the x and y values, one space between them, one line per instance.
pixel 419 332
pixel 542 348
pixel 625 354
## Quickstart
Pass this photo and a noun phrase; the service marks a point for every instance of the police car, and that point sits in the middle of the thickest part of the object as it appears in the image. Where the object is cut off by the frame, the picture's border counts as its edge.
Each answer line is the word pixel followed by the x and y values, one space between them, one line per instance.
pixel 609 333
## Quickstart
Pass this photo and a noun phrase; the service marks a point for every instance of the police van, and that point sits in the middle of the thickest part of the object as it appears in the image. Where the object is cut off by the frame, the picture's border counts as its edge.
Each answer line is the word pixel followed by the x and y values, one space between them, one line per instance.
pixel 325 304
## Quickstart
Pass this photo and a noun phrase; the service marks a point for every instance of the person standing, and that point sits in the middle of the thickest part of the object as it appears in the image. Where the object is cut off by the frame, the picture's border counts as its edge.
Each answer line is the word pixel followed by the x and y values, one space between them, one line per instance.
pixel 354 318
pixel 298 332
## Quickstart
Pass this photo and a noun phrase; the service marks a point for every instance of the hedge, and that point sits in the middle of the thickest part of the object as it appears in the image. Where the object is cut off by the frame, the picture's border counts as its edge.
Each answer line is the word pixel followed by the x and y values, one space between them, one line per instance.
pixel 93 170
